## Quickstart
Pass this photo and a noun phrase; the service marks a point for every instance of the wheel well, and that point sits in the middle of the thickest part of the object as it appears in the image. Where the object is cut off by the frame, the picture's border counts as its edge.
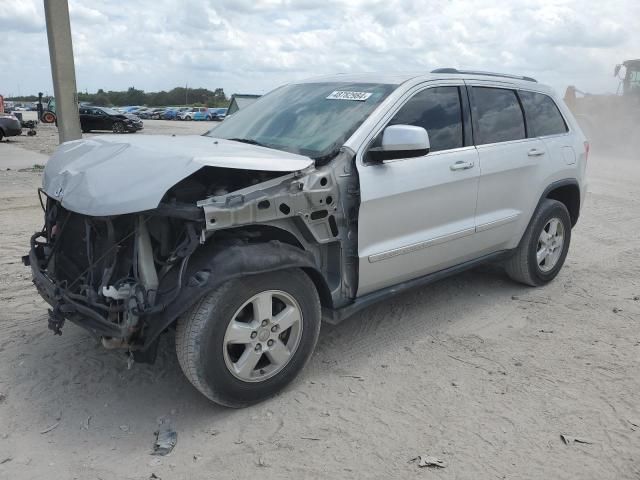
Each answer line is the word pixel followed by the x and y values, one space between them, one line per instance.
pixel 267 233
pixel 321 286
pixel 569 195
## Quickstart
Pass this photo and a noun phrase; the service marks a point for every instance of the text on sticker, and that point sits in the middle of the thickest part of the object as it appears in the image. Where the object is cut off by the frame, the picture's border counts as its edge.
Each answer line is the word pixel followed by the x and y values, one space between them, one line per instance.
pixel 345 95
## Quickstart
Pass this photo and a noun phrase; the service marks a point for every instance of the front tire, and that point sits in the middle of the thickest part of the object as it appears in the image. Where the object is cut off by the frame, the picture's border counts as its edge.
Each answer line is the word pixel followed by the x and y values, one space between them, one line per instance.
pixel 118 127
pixel 249 338
pixel 544 246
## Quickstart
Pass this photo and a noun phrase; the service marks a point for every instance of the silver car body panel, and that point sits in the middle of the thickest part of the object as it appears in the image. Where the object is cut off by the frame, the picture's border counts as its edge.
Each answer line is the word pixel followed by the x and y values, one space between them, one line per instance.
pixel 118 174
pixel 435 218
pixel 416 215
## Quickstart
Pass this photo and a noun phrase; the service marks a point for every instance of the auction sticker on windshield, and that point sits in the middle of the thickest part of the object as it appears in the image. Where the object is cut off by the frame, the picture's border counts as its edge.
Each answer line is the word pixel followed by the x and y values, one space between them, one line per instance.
pixel 346 95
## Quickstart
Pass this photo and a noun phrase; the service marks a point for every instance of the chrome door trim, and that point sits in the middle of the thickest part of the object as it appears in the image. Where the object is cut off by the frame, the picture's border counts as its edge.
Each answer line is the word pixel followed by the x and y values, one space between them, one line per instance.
pixel 497 223
pixel 377 257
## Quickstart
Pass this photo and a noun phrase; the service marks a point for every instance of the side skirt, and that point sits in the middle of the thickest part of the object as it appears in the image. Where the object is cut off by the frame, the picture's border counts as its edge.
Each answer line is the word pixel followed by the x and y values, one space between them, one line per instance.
pixel 335 316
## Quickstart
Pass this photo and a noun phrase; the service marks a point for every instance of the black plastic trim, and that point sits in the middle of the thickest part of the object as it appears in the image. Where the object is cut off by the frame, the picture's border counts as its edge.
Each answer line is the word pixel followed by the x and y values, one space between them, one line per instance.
pixel 563 183
pixel 336 316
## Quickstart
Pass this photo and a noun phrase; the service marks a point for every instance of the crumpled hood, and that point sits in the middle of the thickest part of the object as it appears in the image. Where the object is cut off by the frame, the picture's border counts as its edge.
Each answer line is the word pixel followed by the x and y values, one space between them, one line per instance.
pixel 118 174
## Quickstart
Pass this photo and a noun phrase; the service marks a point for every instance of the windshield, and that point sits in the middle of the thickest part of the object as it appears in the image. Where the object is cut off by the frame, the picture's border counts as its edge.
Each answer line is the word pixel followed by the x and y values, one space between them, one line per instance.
pixel 312 119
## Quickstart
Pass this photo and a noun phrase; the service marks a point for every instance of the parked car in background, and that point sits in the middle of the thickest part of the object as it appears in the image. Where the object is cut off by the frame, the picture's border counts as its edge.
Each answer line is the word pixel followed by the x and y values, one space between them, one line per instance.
pixel 170 114
pixel 157 113
pixel 203 114
pixel 142 113
pixel 195 113
pixel 9 126
pixel 173 112
pixel 130 108
pixel 103 118
pixel 218 114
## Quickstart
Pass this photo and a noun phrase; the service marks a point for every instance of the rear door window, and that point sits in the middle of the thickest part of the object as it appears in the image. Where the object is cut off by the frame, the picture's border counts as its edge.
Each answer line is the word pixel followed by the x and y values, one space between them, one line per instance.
pixel 439 112
pixel 498 116
pixel 543 116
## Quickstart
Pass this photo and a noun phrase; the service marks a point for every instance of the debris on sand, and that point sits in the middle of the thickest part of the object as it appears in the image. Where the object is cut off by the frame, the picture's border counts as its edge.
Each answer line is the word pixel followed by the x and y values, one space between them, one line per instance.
pixel 166 439
pixel 530 300
pixel 429 461
pixel 617 310
pixel 6 460
pixel 568 439
pixel 86 423
pixel 49 428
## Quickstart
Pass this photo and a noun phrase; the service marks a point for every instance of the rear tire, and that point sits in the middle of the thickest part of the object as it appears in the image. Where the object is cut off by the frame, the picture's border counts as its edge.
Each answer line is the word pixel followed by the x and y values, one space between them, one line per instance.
pixel 544 246
pixel 211 353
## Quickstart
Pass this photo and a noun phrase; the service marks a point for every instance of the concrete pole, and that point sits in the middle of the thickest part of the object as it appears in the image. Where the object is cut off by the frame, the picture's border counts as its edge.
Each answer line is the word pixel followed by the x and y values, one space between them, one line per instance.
pixel 56 13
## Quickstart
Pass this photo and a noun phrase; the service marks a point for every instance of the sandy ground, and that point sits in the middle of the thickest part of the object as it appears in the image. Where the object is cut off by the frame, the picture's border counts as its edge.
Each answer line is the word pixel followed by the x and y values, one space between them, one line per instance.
pixel 478 371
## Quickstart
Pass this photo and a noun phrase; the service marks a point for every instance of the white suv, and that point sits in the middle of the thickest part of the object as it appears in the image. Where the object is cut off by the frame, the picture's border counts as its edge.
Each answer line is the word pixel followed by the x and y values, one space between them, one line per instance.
pixel 319 199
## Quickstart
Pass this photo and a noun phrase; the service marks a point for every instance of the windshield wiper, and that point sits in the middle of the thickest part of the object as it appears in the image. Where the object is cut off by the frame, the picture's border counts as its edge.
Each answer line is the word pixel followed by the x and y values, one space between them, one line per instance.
pixel 250 141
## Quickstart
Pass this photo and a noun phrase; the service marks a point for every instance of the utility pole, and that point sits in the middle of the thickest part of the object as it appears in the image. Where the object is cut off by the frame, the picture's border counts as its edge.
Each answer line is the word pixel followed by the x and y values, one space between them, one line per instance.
pixel 63 72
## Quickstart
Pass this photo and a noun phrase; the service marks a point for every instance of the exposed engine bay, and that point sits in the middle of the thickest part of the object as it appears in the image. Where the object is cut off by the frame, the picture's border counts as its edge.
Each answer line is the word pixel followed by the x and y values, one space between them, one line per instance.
pixel 127 277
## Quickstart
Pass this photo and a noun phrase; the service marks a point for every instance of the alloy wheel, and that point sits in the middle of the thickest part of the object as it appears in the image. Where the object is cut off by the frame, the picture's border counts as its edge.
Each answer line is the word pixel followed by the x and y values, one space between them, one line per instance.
pixel 263 336
pixel 550 243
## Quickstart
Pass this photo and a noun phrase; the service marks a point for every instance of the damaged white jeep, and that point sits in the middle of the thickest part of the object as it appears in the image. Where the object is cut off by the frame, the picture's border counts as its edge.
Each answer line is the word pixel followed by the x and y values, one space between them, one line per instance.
pixel 317 200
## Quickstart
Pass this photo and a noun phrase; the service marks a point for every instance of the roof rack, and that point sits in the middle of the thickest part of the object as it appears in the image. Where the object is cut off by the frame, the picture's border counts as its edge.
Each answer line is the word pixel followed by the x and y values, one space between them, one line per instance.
pixel 488 74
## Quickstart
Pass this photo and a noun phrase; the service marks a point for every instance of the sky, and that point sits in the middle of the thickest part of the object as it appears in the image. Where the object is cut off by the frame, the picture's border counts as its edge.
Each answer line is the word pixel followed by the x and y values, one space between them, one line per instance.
pixel 252 46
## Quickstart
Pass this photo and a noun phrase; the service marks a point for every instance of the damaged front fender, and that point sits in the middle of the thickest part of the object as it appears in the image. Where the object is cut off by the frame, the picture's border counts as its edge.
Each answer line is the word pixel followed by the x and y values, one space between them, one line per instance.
pixel 311 195
pixel 211 267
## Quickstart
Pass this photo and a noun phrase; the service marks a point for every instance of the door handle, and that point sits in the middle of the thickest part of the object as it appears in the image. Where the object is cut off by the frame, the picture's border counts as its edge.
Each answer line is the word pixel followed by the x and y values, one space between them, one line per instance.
pixel 461 166
pixel 534 152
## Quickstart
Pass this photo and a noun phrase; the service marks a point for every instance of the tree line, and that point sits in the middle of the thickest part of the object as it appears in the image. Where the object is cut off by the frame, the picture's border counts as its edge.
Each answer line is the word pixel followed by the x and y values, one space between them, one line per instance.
pixel 133 96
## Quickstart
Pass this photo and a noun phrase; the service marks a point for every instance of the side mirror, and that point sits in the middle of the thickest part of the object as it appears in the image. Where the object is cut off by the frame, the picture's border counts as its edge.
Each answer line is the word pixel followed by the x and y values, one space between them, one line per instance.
pixel 401 141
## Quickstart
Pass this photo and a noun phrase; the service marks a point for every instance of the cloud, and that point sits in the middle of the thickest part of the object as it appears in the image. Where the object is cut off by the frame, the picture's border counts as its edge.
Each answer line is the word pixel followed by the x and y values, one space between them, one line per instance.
pixel 21 17
pixel 255 45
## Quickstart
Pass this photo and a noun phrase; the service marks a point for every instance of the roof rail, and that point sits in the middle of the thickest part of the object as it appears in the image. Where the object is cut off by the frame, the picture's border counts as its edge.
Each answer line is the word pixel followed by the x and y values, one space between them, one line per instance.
pixel 488 74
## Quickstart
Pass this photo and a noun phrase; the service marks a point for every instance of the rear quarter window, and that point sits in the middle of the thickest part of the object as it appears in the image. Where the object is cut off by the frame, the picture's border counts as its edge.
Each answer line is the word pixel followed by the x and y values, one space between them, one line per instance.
pixel 543 115
pixel 498 115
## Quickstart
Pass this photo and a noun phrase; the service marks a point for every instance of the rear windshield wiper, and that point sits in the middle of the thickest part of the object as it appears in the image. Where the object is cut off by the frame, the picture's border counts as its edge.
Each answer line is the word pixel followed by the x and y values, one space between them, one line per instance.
pixel 250 141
